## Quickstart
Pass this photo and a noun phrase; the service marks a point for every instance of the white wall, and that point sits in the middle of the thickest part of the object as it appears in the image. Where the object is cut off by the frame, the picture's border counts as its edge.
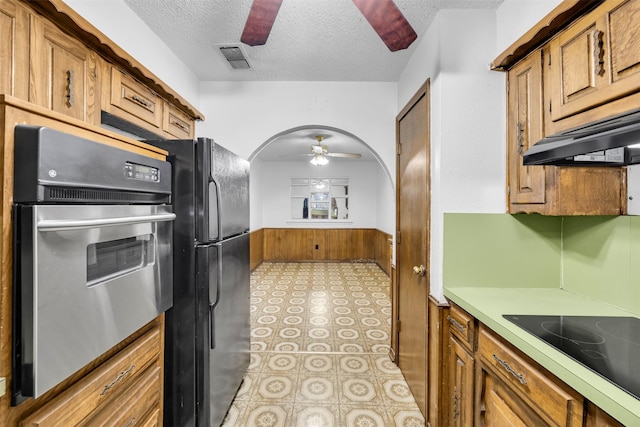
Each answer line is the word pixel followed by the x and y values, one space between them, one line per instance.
pixel 467 119
pixel 275 181
pixel 118 22
pixel 516 17
pixel 243 115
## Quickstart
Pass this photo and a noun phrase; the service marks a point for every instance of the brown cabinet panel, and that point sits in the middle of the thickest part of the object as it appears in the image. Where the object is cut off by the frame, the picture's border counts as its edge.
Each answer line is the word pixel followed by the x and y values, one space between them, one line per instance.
pixel 461 385
pixel 551 190
pixel 624 40
pixel 131 406
pixel 462 326
pixel 64 72
pixel 102 385
pixel 525 128
pixel 596 417
pixel 176 123
pixel 597 60
pixel 512 385
pixel 14 49
pixel 133 101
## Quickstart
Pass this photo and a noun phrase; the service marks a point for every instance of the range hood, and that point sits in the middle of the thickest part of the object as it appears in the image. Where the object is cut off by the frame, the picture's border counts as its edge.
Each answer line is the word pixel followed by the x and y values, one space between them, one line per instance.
pixel 604 142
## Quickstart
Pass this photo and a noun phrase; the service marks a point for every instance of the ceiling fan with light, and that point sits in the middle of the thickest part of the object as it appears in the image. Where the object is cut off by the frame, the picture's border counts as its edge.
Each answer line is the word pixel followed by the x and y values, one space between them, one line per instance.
pixel 383 15
pixel 320 153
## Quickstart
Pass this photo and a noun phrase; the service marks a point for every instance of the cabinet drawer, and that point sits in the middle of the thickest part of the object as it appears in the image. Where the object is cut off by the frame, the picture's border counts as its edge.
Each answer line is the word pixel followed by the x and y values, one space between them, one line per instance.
pixel 129 408
pixel 462 326
pixel 557 403
pixel 108 380
pixel 135 101
pixel 176 123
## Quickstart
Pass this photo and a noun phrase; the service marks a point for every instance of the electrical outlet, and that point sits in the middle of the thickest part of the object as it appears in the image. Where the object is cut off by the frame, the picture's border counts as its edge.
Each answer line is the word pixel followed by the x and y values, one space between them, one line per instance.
pixel 3 386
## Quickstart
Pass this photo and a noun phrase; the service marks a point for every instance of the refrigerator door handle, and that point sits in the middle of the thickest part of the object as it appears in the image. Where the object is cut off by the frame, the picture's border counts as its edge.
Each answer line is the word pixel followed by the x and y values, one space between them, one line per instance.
pixel 212 326
pixel 214 210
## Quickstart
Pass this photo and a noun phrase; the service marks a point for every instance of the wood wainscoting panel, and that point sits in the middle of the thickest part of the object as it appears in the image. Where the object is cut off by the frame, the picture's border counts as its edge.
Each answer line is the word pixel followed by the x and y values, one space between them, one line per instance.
pixel 256 245
pixel 324 244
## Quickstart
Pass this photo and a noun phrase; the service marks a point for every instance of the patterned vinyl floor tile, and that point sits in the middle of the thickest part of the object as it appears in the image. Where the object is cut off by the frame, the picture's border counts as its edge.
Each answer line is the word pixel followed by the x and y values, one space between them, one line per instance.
pixel 319 351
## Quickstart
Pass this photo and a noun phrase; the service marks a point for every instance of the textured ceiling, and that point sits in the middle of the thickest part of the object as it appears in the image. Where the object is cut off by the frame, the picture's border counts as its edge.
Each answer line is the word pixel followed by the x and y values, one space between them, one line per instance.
pixel 311 40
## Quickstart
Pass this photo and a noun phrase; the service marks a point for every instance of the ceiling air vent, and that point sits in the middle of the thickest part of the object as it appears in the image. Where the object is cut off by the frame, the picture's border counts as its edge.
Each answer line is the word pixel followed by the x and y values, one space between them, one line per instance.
pixel 235 56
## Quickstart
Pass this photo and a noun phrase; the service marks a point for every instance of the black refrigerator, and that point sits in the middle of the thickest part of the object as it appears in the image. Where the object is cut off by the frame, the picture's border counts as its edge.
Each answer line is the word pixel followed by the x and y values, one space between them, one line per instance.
pixel 207 329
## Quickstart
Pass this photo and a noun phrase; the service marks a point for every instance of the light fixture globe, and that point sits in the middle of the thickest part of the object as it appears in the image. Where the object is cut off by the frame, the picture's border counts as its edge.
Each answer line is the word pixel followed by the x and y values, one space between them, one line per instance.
pixel 319 160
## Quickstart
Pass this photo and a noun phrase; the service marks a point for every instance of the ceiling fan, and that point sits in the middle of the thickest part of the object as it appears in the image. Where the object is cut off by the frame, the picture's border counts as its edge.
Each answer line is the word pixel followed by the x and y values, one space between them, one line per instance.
pixel 383 15
pixel 320 152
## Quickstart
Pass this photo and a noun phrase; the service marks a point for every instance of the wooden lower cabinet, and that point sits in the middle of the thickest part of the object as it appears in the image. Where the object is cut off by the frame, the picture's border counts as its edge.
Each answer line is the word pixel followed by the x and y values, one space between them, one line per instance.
pixel 121 391
pixel 491 383
pixel 511 386
pixel 461 390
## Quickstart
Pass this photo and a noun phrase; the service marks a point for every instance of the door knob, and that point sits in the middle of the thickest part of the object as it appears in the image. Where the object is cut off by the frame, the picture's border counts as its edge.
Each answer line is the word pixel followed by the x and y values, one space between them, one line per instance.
pixel 419 271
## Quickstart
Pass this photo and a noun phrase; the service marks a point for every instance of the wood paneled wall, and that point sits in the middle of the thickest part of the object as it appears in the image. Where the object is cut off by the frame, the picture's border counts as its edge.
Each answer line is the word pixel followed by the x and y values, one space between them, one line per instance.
pixel 321 244
pixel 256 243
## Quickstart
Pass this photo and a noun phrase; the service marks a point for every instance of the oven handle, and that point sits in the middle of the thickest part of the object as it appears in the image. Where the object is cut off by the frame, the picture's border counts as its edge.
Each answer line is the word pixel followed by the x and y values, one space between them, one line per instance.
pixel 80 224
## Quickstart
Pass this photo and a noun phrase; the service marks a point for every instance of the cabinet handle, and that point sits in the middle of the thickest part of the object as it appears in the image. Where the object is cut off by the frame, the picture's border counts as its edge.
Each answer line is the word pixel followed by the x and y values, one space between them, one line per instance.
pixel 453 322
pixel 179 124
pixel 456 404
pixel 70 92
pixel 120 377
pixel 520 138
pixel 510 370
pixel 598 52
pixel 141 101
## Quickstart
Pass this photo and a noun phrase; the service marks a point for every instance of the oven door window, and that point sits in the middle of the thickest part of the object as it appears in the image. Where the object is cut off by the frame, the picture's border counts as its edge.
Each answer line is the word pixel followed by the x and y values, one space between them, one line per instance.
pixel 115 258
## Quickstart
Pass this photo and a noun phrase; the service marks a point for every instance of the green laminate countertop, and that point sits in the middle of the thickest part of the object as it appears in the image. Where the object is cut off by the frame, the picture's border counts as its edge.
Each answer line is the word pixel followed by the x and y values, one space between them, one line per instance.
pixel 489 304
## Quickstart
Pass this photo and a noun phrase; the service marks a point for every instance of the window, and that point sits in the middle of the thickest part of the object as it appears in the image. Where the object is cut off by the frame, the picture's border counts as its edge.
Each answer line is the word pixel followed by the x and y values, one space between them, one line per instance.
pixel 319 198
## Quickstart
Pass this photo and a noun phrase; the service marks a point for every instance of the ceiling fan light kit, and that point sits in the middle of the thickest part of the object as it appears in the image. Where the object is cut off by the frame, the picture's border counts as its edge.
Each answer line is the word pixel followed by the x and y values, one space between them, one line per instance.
pixel 383 16
pixel 319 160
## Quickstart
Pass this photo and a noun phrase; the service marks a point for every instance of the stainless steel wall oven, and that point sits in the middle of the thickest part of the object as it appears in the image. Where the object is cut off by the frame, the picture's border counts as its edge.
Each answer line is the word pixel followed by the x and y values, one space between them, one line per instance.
pixel 92 252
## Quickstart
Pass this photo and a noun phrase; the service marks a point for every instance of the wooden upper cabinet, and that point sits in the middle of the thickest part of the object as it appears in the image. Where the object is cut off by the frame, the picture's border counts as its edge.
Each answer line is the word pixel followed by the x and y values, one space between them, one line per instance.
pixel 64 73
pixel 14 49
pixel 134 101
pixel 176 123
pixel 597 60
pixel 524 128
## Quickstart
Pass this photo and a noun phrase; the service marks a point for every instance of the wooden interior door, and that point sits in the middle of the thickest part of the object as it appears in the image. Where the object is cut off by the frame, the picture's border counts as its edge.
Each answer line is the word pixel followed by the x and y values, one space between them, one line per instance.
pixel 412 237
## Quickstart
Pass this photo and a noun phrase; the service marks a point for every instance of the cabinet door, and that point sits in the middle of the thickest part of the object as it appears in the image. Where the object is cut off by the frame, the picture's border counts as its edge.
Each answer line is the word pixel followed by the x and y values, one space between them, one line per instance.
pixel 64 72
pixel 14 48
pixel 499 406
pixel 597 60
pixel 524 128
pixel 461 371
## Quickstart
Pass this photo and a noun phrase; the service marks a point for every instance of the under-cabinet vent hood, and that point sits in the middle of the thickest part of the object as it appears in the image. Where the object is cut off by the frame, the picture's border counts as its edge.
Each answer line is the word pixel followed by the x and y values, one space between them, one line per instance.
pixel 604 142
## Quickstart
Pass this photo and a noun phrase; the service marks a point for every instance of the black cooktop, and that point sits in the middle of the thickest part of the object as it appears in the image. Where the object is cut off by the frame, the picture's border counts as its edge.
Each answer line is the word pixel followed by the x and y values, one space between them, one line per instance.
pixel 609 346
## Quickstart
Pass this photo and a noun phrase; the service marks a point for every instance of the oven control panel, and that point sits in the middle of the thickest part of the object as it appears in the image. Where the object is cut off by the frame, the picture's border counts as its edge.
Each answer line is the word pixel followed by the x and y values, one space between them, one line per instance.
pixel 142 172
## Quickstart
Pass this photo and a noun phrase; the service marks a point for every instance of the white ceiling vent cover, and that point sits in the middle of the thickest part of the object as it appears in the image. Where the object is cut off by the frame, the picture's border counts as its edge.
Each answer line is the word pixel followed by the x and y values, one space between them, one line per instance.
pixel 235 56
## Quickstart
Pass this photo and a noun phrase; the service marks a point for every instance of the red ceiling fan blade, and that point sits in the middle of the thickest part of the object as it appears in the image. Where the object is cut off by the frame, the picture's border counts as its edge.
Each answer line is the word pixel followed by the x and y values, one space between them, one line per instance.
pixel 387 20
pixel 259 22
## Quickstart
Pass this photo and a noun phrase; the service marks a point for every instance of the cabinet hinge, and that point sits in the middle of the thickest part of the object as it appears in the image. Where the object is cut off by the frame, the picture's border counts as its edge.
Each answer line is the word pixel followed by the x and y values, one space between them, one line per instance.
pixel 397 238
pixel 399 149
pixel 399 324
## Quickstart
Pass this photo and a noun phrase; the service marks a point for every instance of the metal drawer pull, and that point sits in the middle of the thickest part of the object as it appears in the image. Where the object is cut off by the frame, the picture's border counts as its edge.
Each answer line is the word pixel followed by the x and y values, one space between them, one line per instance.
pixel 56 225
pixel 179 124
pixel 141 101
pixel 456 324
pixel 120 377
pixel 510 370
